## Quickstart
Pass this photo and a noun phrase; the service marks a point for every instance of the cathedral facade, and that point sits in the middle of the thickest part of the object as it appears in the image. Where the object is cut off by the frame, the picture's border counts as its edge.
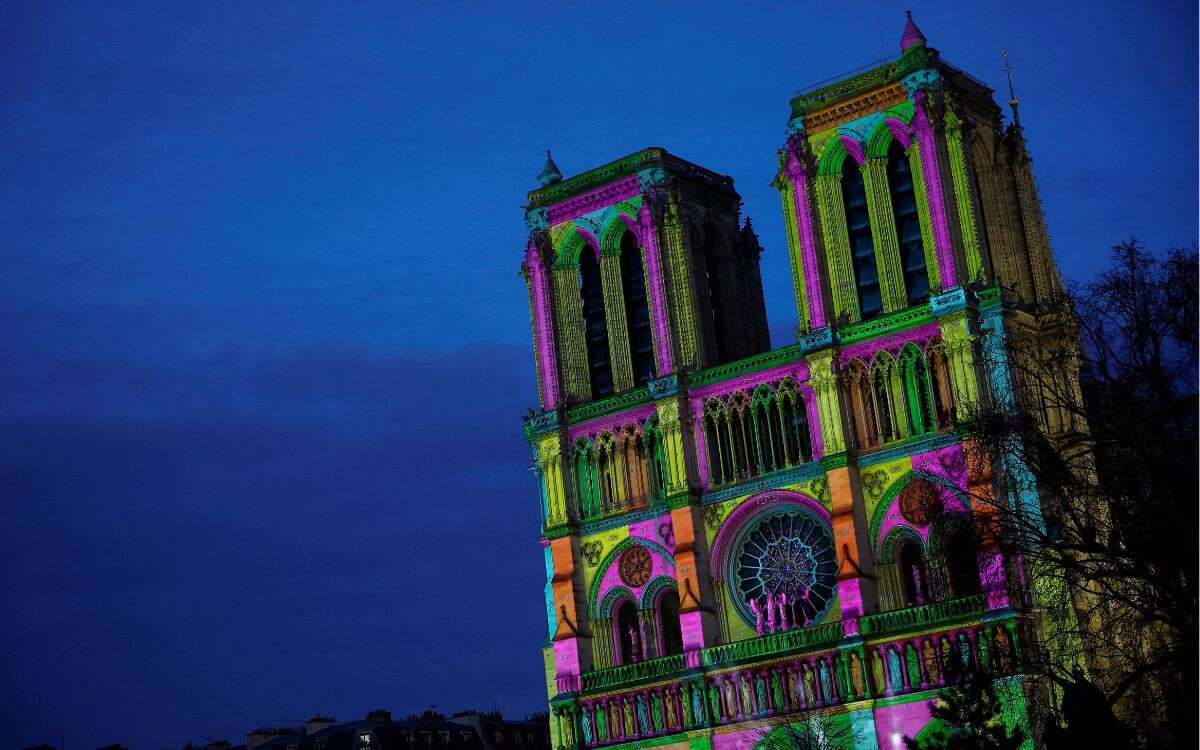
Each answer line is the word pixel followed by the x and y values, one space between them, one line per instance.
pixel 738 538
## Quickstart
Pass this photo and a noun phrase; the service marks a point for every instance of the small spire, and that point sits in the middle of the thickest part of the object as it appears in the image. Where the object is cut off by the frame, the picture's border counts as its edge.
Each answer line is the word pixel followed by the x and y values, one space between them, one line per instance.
pixel 912 36
pixel 1013 101
pixel 550 173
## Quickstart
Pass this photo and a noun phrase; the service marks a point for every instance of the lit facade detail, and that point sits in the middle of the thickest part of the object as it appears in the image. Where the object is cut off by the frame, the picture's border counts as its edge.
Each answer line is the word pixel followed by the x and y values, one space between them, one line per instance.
pixel 735 535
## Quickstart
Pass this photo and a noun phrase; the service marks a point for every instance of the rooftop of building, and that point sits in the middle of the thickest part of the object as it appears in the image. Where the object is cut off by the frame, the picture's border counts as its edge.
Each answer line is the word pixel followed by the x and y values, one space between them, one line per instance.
pixel 915 55
pixel 465 730
pixel 556 189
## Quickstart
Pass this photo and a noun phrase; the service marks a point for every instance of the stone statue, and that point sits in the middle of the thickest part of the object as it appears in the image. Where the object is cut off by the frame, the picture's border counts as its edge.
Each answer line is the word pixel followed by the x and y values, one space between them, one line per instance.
pixel 770 612
pixel 783 612
pixel 758 615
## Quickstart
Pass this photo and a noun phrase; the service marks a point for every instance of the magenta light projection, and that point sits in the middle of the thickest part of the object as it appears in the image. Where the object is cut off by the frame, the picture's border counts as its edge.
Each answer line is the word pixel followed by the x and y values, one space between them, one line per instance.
pixel 933 189
pixel 865 350
pixel 648 239
pixel 585 203
pixel 543 325
pixel 612 423
pixel 723 542
pixel 804 226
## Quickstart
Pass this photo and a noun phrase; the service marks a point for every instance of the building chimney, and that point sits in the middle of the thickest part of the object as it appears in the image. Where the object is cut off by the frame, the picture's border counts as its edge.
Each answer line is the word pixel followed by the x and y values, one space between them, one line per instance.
pixel 260 735
pixel 316 724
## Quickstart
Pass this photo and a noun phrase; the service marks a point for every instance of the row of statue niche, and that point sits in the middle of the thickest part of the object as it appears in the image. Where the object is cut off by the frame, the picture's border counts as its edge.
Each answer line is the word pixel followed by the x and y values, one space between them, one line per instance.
pixel 775 613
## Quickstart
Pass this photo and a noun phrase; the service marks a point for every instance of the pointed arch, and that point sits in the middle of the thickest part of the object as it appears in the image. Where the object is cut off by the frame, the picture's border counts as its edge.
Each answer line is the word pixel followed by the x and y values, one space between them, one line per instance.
pixel 903 570
pixel 833 156
pixel 941 385
pixel 608 473
pixel 670 631
pixel 889 411
pixel 636 295
pixel 583 474
pixel 861 240
pixel 902 189
pixel 954 501
pixel 654 589
pixel 606 563
pixel 918 391
pixel 890 129
pixel 571 244
pixel 595 325
pixel 656 454
pixel 856 379
pixel 715 424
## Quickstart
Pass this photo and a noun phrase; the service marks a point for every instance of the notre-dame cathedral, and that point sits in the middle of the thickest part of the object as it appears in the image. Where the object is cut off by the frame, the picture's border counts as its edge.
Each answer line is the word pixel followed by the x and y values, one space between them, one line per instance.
pixel 743 540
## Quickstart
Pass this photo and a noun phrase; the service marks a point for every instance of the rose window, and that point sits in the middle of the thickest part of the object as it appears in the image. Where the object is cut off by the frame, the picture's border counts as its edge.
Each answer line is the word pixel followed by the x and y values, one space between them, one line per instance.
pixel 789 552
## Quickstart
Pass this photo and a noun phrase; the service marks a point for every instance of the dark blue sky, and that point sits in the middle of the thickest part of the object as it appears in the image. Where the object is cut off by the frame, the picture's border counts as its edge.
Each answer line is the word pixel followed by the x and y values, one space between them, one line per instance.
pixel 265 350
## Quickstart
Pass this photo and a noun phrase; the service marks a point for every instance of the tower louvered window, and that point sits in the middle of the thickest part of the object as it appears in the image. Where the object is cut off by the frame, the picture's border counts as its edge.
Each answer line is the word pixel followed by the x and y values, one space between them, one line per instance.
pixel 716 312
pixel 908 225
pixel 862 247
pixel 595 327
pixel 637 312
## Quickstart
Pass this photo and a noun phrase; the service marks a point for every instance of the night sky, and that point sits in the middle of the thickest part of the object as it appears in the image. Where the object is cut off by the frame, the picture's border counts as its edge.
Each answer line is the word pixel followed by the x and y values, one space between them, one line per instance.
pixel 265 349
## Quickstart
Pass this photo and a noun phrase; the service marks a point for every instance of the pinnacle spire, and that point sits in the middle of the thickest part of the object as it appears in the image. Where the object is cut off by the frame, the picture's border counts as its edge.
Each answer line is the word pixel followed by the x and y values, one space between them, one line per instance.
pixel 550 173
pixel 1013 101
pixel 912 35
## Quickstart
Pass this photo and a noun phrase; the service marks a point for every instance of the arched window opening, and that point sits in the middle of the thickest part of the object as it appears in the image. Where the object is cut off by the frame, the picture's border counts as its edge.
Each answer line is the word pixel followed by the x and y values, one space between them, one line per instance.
pixel 629 633
pixel 656 452
pixel 636 474
pixel 767 429
pixel 712 266
pixel 716 438
pixel 586 490
pixel 960 551
pixel 862 405
pixel 915 376
pixel 914 578
pixel 595 326
pixel 637 311
pixel 745 450
pixel 668 616
pixel 749 436
pixel 862 247
pixel 908 225
pixel 794 416
pixel 883 403
pixel 608 473
pixel 939 385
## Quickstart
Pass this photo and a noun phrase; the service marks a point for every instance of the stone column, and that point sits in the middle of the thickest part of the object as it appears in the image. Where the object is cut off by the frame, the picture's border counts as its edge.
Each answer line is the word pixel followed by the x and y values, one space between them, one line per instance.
pixel 802 239
pixel 656 289
pixel 824 383
pixel 614 315
pixel 572 349
pixel 572 646
pixel 883 234
pixel 856 586
pixel 678 273
pixel 837 245
pixel 927 142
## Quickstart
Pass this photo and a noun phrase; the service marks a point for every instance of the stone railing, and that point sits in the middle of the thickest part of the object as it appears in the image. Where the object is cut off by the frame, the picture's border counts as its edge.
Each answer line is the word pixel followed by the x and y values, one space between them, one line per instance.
pixel 630 673
pixel 914 617
pixel 785 673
